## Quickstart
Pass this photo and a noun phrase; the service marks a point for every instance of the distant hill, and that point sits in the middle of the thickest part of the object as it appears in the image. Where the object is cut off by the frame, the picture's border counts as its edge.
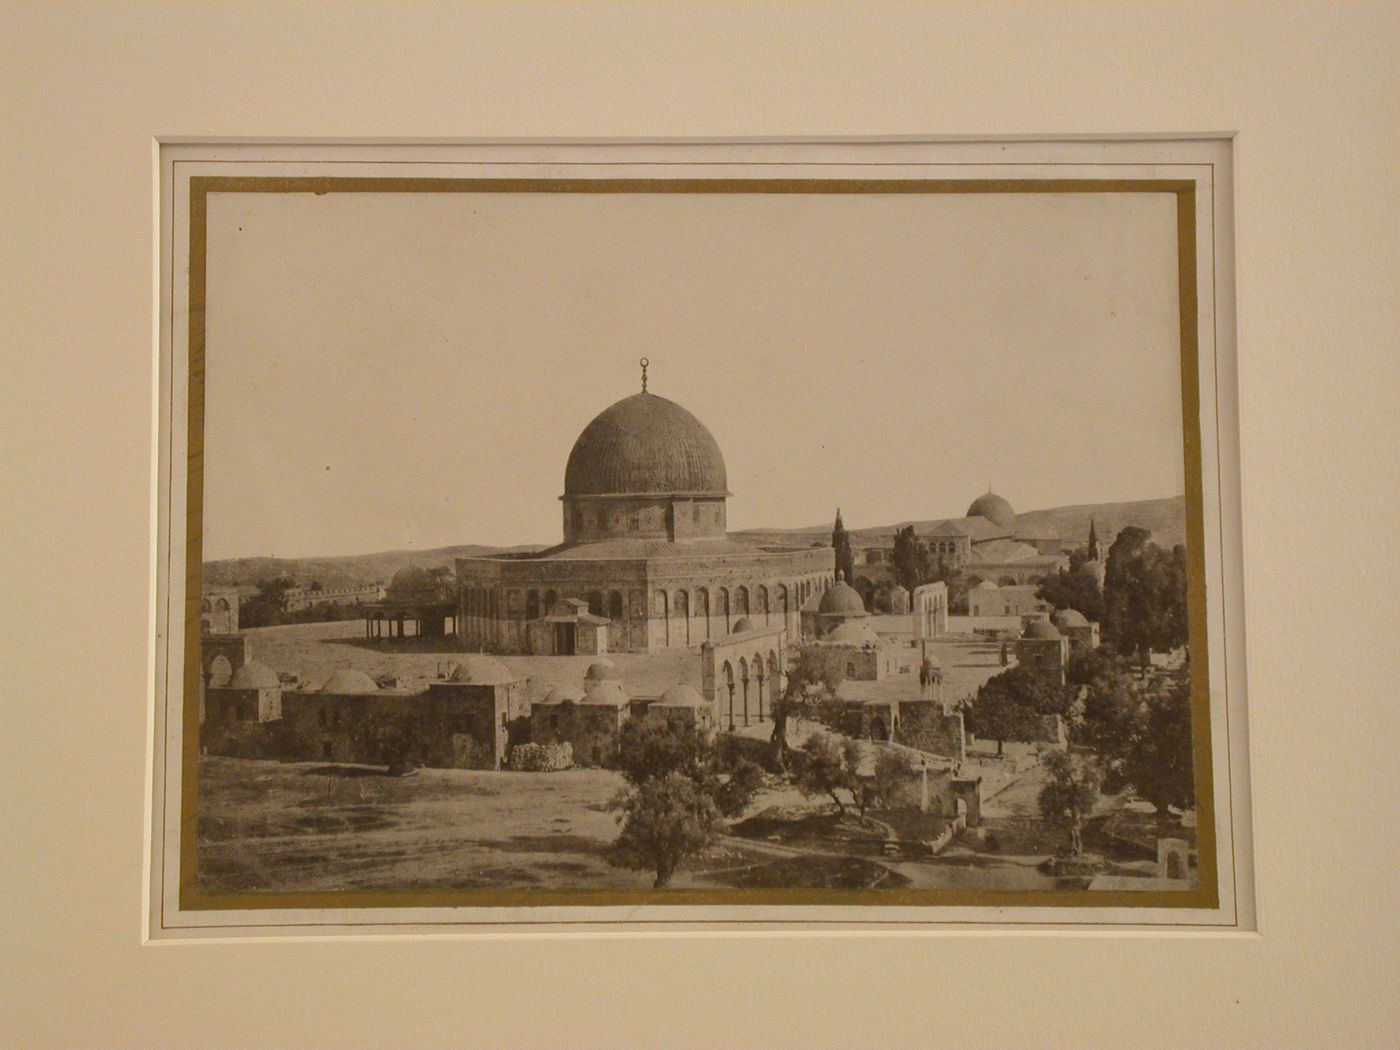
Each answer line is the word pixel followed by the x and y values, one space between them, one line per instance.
pixel 352 570
pixel 1165 517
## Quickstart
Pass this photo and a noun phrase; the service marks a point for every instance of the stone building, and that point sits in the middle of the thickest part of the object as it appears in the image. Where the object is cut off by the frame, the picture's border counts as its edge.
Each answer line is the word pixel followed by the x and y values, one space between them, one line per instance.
pixel 742 673
pixel 987 543
pixel 1043 648
pixel 989 599
pixel 218 611
pixel 297 598
pixel 855 651
pixel 462 722
pixel 589 718
pixel 253 694
pixel 682 706
pixel 475 710
pixel 839 604
pixel 645 546
pixel 569 628
pixel 1082 634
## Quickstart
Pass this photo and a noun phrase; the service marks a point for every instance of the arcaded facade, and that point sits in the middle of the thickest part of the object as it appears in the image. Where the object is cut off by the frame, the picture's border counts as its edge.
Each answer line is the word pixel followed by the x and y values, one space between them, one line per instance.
pixel 645 546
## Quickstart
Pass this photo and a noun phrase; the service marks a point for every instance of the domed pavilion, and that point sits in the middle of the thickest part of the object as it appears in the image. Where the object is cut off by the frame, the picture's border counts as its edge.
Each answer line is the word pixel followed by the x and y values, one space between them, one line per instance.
pixel 645 547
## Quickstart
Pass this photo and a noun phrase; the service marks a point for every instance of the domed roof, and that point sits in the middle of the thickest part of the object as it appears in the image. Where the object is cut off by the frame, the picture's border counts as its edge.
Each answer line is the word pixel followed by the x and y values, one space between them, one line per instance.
pixel 411 577
pixel 1041 629
pixel 646 445
pixel 602 671
pixel 984 585
pixel 609 693
pixel 476 669
pixel 682 695
pixel 854 633
pixel 562 694
pixel 346 680
pixel 1069 618
pixel 414 581
pixel 254 675
pixel 741 626
pixel 841 599
pixel 995 509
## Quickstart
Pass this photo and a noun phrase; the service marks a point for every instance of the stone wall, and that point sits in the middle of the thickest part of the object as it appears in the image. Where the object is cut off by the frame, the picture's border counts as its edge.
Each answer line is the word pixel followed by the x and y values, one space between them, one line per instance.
pixel 651 603
pixel 924 726
pixel 1046 655
pixel 590 729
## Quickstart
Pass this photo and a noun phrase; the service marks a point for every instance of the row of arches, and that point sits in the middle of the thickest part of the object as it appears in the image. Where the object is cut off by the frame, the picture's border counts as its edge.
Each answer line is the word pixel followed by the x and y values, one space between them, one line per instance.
pixel 217 605
pixel 750 686
pixel 682 615
pixel 689 617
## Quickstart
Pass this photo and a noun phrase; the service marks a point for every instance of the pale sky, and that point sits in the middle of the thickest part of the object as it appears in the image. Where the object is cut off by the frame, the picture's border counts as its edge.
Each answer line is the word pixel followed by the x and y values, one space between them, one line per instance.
pixel 390 371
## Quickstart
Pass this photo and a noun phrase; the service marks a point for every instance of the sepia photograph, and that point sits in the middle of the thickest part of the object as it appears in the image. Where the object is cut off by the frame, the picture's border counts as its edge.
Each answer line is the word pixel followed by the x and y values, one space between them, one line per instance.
pixel 527 519
pixel 703 541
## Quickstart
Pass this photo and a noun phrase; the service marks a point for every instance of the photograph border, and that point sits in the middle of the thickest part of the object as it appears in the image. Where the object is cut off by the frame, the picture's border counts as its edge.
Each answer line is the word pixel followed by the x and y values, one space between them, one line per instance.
pixel 192 899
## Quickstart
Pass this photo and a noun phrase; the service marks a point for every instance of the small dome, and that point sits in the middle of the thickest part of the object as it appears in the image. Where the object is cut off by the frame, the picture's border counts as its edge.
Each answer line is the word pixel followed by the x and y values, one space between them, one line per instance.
pixel 1069 618
pixel 1043 629
pixel 645 445
pixel 985 585
pixel 841 599
pixel 682 695
pixel 741 626
pixel 564 694
pixel 413 582
pixel 854 633
pixel 254 675
pixel 994 509
pixel 346 681
pixel 602 671
pixel 476 669
pixel 609 693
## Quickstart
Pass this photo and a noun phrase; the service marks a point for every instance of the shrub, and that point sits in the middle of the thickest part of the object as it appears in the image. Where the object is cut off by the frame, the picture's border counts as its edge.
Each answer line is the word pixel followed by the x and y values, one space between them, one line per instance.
pixel 541 758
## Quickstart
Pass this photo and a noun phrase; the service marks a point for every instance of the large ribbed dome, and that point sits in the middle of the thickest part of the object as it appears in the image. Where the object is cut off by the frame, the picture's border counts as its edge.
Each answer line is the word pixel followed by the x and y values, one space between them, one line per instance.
pixel 995 509
pixel 841 599
pixel 645 445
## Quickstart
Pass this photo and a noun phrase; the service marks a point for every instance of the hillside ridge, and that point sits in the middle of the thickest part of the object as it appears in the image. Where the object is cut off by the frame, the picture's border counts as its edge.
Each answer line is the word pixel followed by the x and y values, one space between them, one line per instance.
pixel 1165 518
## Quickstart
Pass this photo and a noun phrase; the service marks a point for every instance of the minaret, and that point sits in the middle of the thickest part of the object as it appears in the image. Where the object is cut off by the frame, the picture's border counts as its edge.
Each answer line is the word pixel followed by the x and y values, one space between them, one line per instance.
pixel 1094 554
pixel 841 542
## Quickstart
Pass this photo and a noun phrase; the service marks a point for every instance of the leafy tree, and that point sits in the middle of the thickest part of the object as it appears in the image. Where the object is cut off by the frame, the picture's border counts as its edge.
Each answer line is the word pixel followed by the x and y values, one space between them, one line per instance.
pixel 821 767
pixel 1067 798
pixel 1009 704
pixel 682 784
pixel 910 563
pixel 1073 590
pixel 647 749
pixel 810 682
pixel 894 774
pixel 956 581
pixel 665 820
pixel 845 557
pixel 1159 759
pixel 1144 595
